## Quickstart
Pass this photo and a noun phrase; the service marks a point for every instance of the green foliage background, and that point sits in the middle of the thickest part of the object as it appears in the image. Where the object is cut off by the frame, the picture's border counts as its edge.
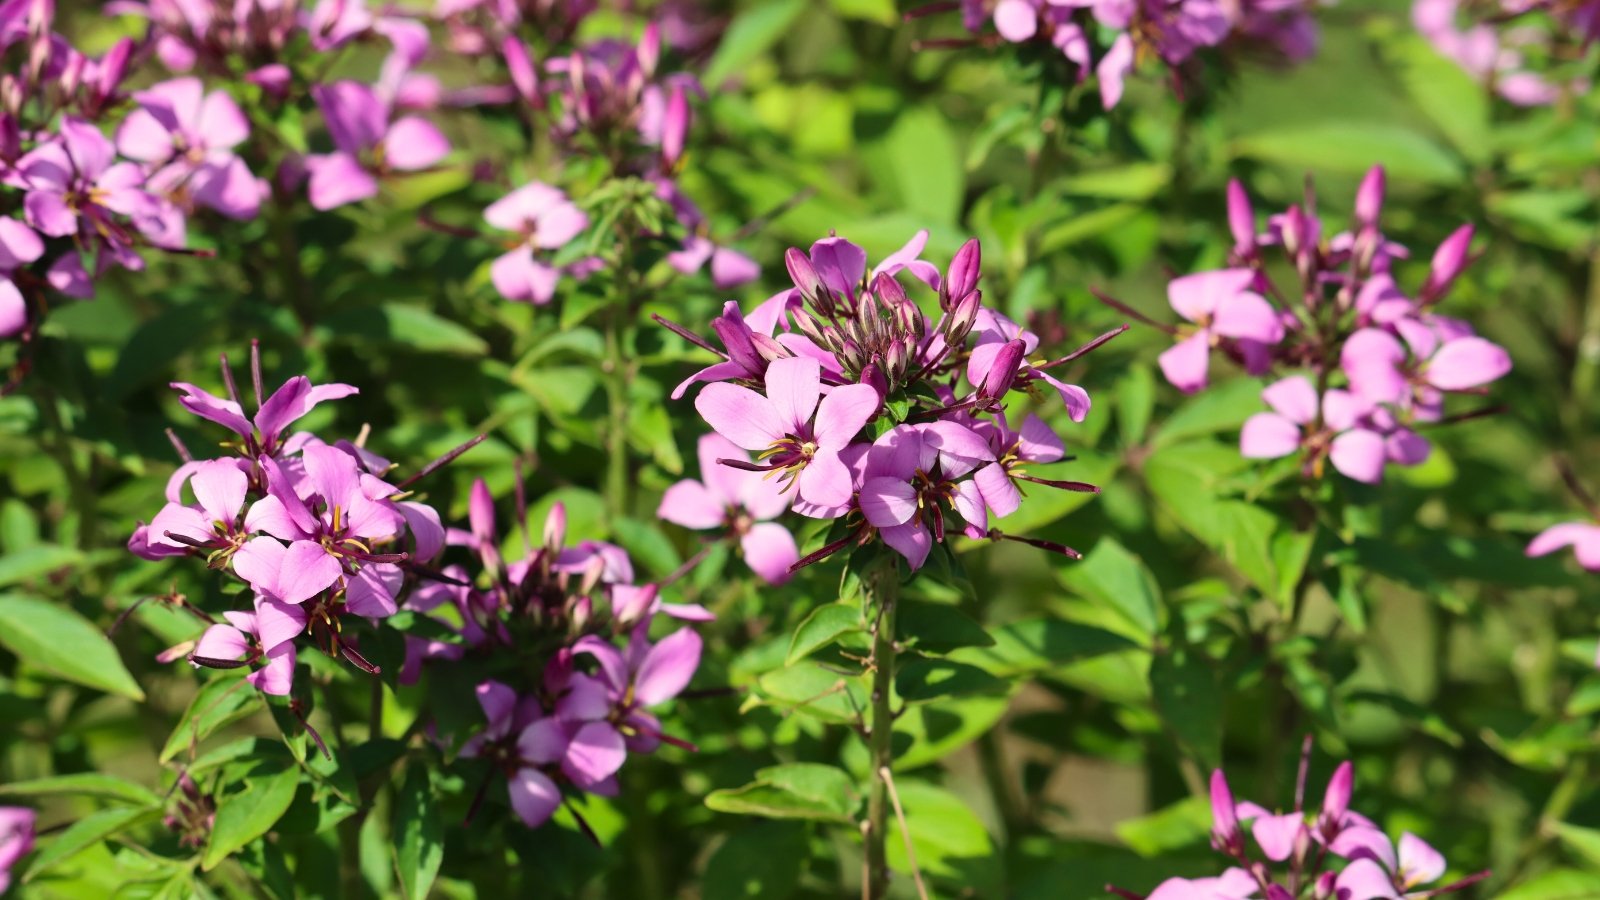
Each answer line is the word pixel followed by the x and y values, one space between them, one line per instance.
pixel 1067 713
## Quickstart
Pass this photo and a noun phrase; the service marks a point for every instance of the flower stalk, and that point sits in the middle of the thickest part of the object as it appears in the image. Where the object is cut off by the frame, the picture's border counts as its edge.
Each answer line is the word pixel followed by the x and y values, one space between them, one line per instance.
pixel 882 590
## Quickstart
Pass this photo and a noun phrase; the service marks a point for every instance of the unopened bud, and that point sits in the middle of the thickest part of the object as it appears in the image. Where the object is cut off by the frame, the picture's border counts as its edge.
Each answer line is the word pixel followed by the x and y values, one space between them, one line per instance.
pixel 962 317
pixel 803 273
pixel 1369 197
pixel 965 270
pixel 1003 371
pixel 1448 261
pixel 872 375
pixel 1241 218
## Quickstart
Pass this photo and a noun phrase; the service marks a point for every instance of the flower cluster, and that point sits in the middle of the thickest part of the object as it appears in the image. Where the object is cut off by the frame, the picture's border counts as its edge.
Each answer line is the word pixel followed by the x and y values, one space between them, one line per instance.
pixel 1366 363
pixel 1294 852
pixel 605 99
pixel 1513 45
pixel 1171 31
pixel 16 839
pixel 864 410
pixel 574 616
pixel 83 208
pixel 311 528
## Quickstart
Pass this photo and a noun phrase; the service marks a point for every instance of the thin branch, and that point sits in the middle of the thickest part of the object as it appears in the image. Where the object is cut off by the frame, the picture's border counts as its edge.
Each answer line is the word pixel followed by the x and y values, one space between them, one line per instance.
pixel 905 831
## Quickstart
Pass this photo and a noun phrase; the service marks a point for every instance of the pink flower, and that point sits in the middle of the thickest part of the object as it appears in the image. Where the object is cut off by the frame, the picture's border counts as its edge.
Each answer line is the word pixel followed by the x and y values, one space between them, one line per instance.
pixel 780 425
pixel 1035 442
pixel 543 219
pixel 75 186
pixel 222 646
pixel 262 436
pixel 1223 305
pixel 607 709
pixel 1377 871
pixel 335 542
pixel 1582 537
pixel 1346 437
pixel 1443 356
pixel 16 839
pixel 913 473
pixel 367 145
pixel 525 744
pixel 1234 884
pixel 187 136
pixel 740 503
pixel 220 486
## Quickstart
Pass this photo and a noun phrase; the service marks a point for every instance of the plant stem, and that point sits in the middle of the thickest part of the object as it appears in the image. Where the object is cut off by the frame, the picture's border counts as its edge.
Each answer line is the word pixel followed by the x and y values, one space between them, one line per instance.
pixel 881 589
pixel 1586 370
pixel 616 430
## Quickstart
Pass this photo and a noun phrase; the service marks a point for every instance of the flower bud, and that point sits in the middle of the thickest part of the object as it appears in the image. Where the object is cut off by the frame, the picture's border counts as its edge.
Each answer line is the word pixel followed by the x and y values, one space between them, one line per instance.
pixel 1241 218
pixel 1448 261
pixel 895 362
pixel 113 68
pixel 739 341
pixel 807 325
pixel 1336 800
pixel 889 291
pixel 555 526
pixel 962 276
pixel 524 75
pixel 1369 197
pixel 1324 888
pixel 1003 371
pixel 631 604
pixel 675 126
pixel 649 51
pixel 962 317
pixel 804 275
pixel 872 374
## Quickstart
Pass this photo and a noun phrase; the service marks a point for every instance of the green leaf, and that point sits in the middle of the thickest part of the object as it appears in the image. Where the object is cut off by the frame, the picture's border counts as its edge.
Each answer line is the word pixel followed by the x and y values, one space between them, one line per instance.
pixel 28 563
pixel 880 11
pixel 1445 93
pixel 1111 575
pixel 1136 400
pixel 749 35
pixel 794 791
pixel 763 861
pixel 221 701
pixel 937 730
pixel 937 628
pixel 1174 827
pixel 403 324
pixel 248 814
pixel 63 643
pixel 1223 407
pixel 1352 148
pixel 825 625
pixel 1135 181
pixel 419 850
pixel 1560 884
pixel 925 163
pixel 1038 645
pixel 83 784
pixel 88 832
pixel 931 679
pixel 951 843
pixel 1184 685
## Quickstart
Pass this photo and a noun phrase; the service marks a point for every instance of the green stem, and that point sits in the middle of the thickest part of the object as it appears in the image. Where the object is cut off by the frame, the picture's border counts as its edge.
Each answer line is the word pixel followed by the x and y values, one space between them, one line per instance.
pixel 881 589
pixel 1586 370
pixel 616 429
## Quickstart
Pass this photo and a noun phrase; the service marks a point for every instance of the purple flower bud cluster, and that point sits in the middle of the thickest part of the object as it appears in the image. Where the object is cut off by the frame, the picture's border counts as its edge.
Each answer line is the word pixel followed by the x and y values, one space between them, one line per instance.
pixel 574 615
pixel 1361 363
pixel 1336 854
pixel 1503 42
pixel 865 410
pixel 311 528
pixel 1171 31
